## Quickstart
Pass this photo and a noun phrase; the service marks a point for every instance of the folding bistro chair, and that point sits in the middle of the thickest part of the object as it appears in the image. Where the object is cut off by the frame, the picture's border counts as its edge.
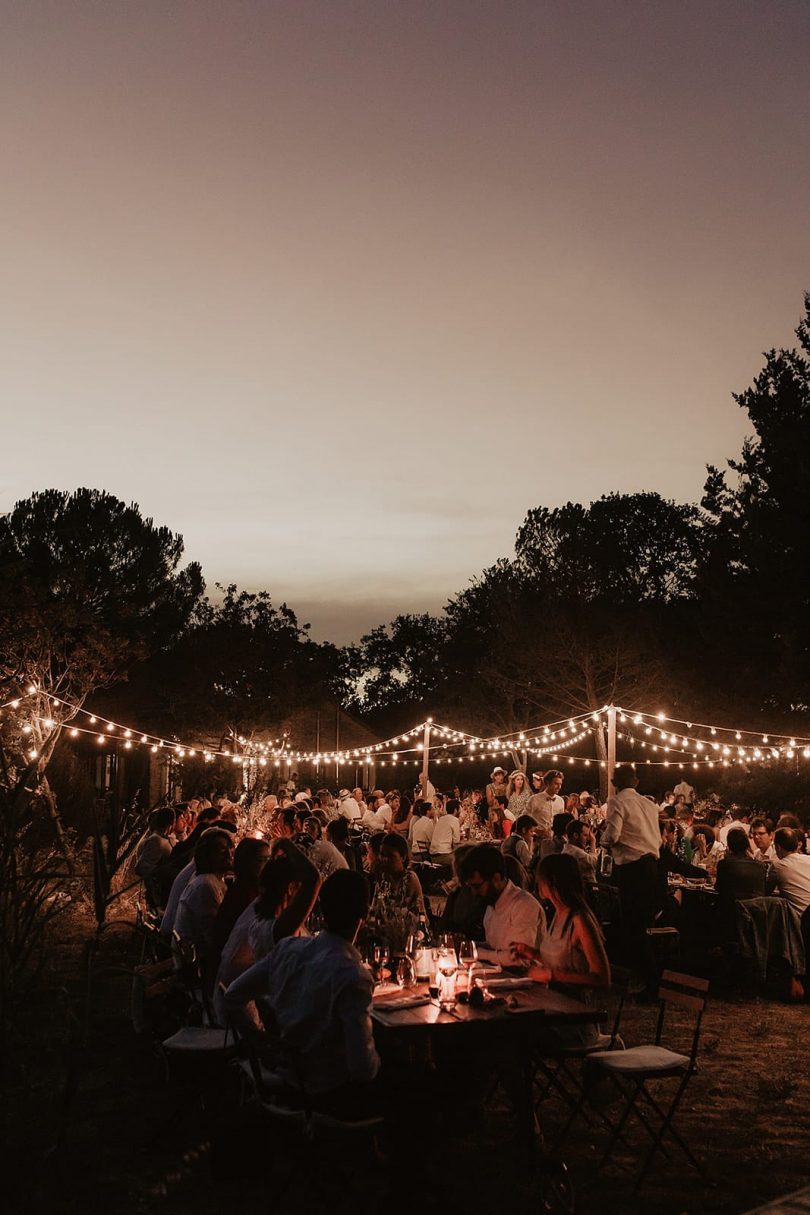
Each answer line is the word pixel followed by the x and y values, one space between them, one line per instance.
pixel 560 1073
pixel 633 1070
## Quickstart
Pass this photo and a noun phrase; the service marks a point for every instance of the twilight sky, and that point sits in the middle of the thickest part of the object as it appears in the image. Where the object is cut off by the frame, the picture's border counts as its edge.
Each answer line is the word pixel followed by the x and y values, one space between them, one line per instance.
pixel 341 289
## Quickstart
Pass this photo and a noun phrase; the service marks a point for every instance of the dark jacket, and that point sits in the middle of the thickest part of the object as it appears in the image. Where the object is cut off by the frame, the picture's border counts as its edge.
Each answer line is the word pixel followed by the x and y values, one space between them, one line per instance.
pixel 738 877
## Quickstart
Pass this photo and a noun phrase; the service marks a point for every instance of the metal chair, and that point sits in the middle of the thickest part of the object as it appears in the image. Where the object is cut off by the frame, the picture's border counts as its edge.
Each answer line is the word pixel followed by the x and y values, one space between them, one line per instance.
pixel 633 1071
pixel 561 1075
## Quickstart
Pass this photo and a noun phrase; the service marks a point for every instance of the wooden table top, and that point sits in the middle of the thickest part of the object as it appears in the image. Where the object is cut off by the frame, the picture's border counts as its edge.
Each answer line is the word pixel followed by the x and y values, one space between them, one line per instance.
pixel 526 1003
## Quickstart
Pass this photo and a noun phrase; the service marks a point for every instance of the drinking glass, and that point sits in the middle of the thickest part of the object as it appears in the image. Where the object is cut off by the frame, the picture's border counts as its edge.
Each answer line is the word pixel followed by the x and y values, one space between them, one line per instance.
pixel 406 972
pixel 467 953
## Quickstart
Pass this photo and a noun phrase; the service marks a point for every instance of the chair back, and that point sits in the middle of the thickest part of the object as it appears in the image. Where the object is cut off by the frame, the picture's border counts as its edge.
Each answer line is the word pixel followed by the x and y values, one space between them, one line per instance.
pixel 686 992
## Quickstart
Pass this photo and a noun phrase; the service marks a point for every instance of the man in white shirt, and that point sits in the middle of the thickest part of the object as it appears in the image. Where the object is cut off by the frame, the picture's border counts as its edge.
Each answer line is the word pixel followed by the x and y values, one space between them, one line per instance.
pixel 353 807
pixel 632 833
pixel 736 823
pixel 446 834
pixel 580 844
pixel 420 831
pixel 377 816
pixel 512 914
pixel 685 790
pixel 546 801
pixel 790 872
pixel 320 993
pixel 762 840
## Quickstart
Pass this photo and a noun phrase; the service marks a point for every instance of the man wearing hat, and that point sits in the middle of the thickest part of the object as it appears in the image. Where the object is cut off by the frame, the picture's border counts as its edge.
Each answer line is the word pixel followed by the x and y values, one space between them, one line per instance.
pixel 496 788
pixel 545 802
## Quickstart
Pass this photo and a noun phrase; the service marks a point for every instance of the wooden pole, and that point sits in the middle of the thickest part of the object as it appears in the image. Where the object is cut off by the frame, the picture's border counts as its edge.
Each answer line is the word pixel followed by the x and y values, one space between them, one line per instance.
pixel 611 746
pixel 425 760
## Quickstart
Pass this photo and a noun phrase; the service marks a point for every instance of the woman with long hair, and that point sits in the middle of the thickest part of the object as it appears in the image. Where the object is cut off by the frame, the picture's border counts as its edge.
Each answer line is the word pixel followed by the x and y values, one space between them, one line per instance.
pixel 571 953
pixel 517 793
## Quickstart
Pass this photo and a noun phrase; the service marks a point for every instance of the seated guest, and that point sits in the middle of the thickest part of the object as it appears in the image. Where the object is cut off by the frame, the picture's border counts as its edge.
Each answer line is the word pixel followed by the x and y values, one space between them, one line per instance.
pixel 707 849
pixel 559 826
pixel 519 841
pixel 571 953
pixel 295 900
pixel 201 899
pixel 790 872
pixel 320 994
pixel 323 855
pixel 398 882
pixel 581 845
pixel 372 862
pixel 670 862
pixel 511 915
pixel 181 881
pixel 446 834
pixel 287 891
pixel 420 832
pixel 337 834
pixel 761 835
pixel 155 845
pixel 377 815
pixel 738 877
pixel 464 911
pixel 249 859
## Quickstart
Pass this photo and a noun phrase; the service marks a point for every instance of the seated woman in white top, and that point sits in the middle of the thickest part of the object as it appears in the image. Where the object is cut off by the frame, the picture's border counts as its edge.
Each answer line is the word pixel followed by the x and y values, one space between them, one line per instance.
pixel 571 953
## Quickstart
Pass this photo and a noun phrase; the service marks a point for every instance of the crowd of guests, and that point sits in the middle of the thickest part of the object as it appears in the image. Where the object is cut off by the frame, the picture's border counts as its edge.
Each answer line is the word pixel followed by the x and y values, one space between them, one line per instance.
pixel 271 898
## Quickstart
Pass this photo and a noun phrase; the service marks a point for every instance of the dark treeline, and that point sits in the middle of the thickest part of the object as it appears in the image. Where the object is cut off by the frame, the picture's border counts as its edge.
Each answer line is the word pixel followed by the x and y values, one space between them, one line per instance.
pixel 700 608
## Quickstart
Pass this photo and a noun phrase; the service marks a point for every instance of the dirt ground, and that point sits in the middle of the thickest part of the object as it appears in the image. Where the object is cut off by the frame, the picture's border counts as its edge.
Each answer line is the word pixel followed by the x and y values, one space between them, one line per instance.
pixel 91 1123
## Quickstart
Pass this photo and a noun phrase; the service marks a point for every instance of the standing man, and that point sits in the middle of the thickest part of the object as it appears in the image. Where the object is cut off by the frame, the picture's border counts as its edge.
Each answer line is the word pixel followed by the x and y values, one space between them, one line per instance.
pixel 631 830
pixel 545 801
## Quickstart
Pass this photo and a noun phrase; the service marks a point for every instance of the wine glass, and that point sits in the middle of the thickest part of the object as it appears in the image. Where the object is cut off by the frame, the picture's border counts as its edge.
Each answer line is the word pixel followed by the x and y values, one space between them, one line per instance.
pixel 381 955
pixel 467 953
pixel 406 972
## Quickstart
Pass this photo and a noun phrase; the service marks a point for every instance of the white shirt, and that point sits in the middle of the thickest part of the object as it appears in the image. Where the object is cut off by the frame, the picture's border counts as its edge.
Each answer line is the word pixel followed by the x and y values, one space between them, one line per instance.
pixel 767 856
pixel 178 886
pixel 421 832
pixel 150 852
pixel 585 860
pixel 237 956
pixel 320 993
pixel 735 825
pixel 517 916
pixel 446 835
pixel 542 807
pixel 377 820
pixel 792 876
pixel 351 809
pixel 631 826
pixel 327 858
pixel 198 909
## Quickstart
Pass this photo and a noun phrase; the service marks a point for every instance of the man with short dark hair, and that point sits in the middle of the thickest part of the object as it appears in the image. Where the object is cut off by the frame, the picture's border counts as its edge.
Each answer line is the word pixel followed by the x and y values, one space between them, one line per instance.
pixel 545 801
pixel 762 840
pixel 320 993
pixel 790 872
pixel 511 914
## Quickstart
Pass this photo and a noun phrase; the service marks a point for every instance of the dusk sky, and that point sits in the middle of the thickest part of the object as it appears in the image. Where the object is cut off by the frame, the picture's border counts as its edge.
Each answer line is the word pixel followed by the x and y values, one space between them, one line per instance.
pixel 340 290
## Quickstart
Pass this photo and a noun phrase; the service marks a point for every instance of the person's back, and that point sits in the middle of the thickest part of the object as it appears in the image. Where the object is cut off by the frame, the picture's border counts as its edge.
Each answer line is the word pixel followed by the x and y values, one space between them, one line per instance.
pixel 739 877
pixel 320 993
pixel 791 869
